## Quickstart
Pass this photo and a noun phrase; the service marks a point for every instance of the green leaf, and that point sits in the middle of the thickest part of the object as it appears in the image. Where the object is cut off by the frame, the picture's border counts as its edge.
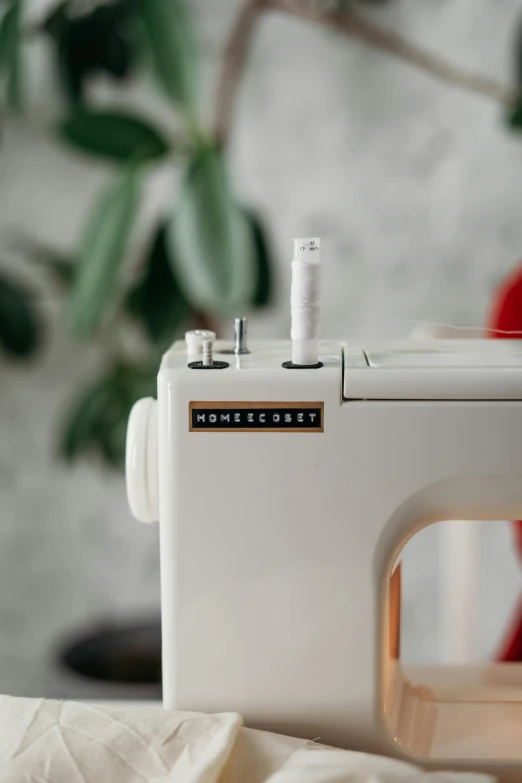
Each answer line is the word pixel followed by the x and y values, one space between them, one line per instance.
pixel 133 301
pixel 113 135
pixel 112 440
pixel 213 254
pixel 514 114
pixel 101 253
pixel 514 117
pixel 171 44
pixel 71 67
pixel 10 53
pixel 61 267
pixel 96 41
pixel 6 22
pixel 97 422
pixel 263 291
pixel 18 323
pixel 157 299
pixel 83 421
pixel 129 384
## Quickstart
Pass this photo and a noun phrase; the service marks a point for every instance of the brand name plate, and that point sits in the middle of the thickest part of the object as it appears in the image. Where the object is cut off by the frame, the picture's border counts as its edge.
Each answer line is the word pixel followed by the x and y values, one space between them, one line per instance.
pixel 256 416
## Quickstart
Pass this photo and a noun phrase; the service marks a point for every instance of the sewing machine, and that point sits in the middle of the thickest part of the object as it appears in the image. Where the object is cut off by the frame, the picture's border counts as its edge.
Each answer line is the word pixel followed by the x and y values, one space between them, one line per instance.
pixel 285 493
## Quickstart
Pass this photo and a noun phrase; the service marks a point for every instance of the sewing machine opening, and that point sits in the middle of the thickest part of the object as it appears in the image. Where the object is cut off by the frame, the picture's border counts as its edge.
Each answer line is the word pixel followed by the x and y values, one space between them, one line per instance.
pixel 452 684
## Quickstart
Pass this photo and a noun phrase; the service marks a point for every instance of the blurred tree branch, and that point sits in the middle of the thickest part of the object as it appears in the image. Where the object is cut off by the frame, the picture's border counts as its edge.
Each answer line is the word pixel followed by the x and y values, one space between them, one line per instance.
pixel 233 64
pixel 349 23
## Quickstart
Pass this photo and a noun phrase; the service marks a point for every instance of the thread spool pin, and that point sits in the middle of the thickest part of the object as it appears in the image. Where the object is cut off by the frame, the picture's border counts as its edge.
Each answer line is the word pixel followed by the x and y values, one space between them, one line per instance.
pixel 194 341
pixel 208 357
pixel 240 336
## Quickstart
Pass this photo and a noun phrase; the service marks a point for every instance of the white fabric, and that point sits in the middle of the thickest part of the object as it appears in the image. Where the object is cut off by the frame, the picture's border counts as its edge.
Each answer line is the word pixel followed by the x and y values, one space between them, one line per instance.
pixel 67 742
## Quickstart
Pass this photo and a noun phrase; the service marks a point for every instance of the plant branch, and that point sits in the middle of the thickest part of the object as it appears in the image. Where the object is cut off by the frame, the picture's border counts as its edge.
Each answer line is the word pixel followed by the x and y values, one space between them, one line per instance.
pixel 234 59
pixel 354 26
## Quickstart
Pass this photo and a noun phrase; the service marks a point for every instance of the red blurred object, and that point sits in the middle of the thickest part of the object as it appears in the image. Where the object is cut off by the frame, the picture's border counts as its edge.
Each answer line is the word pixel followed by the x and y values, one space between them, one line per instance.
pixel 506 316
pixel 506 308
pixel 511 648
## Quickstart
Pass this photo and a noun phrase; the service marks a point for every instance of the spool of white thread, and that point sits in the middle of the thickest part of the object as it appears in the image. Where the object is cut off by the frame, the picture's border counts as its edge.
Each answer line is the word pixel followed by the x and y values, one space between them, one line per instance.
pixel 305 301
pixel 194 341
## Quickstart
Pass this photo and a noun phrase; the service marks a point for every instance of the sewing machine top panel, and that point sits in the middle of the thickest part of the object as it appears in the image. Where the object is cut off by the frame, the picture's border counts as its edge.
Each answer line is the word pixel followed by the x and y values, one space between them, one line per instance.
pixel 378 369
pixel 434 369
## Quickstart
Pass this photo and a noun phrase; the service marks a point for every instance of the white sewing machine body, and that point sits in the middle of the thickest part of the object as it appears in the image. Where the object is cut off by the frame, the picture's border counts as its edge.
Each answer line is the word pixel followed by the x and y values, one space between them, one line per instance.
pixel 285 496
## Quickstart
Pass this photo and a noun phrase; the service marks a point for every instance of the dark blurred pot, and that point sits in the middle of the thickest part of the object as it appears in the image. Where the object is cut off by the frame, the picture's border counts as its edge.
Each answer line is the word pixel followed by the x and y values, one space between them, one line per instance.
pixel 111 661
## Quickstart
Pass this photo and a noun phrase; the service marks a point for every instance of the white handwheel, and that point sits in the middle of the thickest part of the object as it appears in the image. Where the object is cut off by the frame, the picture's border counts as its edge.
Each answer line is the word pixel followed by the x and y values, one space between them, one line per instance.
pixel 141 460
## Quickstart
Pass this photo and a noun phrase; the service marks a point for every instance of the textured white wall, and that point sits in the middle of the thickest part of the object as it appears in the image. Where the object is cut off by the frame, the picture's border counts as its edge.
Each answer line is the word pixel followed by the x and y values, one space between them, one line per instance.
pixel 414 187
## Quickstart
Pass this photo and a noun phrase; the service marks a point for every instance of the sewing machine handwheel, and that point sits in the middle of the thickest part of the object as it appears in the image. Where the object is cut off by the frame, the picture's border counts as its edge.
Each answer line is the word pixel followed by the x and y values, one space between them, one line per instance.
pixel 141 460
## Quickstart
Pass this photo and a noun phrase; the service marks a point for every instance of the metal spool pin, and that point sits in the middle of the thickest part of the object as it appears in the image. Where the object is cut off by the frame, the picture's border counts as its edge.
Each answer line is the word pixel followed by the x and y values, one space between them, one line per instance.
pixel 240 336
